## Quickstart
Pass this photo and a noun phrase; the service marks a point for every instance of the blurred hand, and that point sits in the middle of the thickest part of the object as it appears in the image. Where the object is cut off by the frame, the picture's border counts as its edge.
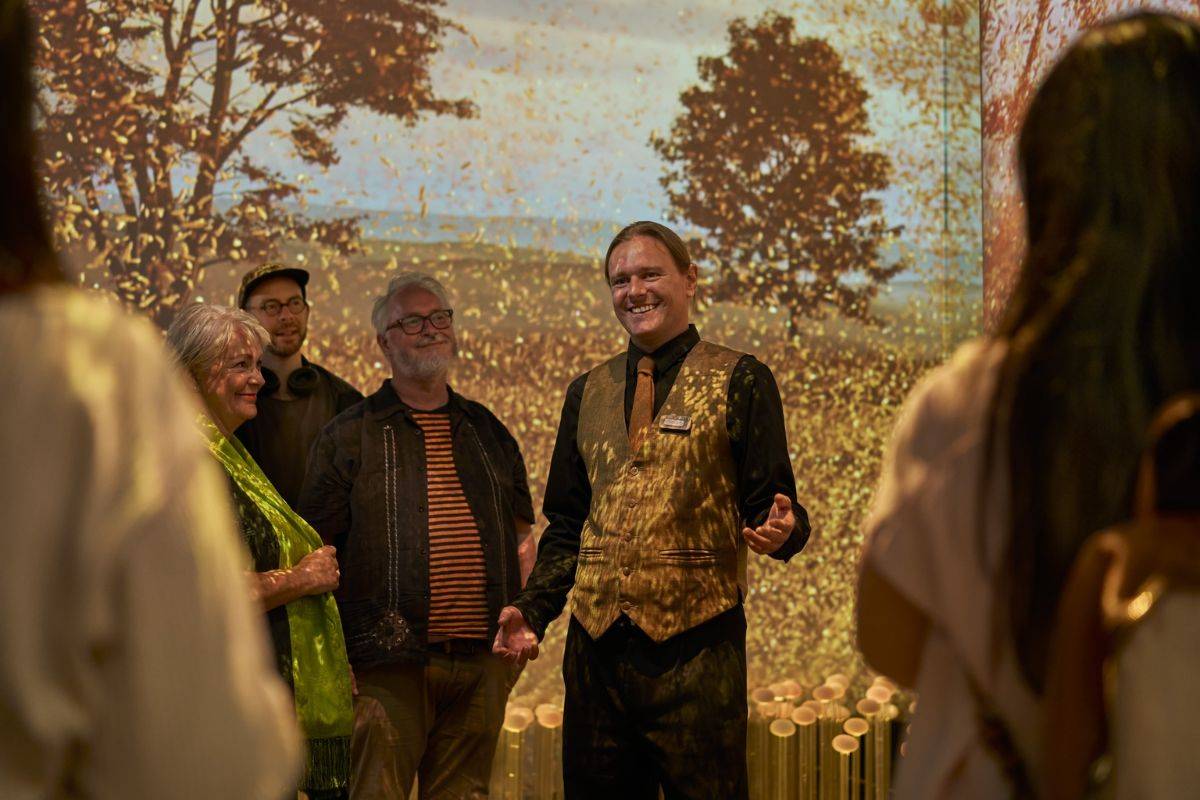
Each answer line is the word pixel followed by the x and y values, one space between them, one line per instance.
pixel 515 641
pixel 318 571
pixel 770 536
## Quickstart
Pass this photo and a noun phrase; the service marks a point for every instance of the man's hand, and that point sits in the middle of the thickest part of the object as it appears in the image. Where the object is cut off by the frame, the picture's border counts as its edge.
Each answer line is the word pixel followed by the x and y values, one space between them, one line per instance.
pixel 770 536
pixel 318 571
pixel 515 641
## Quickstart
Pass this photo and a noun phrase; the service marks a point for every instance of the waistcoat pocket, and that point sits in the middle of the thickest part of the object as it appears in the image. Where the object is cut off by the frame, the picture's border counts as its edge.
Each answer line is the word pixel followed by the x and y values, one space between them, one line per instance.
pixel 689 557
pixel 589 555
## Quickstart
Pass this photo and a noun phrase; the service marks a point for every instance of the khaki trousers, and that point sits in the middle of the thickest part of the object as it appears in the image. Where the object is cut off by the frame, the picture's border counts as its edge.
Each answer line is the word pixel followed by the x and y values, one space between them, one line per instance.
pixel 438 723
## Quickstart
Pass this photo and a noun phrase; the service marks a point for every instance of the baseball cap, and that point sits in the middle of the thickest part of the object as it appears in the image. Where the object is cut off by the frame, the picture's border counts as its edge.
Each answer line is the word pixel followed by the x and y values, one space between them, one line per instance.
pixel 270 270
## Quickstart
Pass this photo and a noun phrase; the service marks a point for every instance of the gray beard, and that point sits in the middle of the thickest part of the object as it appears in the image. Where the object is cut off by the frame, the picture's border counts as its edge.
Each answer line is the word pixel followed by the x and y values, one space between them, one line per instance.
pixel 424 367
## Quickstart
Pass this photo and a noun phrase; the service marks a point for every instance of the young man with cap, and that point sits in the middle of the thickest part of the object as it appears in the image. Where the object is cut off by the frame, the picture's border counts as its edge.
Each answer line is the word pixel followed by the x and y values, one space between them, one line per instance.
pixel 299 397
pixel 671 460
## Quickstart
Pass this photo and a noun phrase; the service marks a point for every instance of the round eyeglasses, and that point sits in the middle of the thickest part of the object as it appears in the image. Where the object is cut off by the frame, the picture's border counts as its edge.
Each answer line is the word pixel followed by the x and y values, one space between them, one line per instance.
pixel 273 308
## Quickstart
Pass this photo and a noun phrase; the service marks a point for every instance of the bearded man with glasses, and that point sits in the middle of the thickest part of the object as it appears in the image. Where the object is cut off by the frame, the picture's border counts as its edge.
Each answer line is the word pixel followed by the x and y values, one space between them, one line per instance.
pixel 298 397
pixel 424 494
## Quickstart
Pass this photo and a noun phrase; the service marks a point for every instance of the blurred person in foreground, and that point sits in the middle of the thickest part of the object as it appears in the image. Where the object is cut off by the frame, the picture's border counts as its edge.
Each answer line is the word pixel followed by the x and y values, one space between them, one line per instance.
pixel 1008 457
pixel 424 493
pixel 131 662
pixel 294 573
pixel 1121 689
pixel 671 459
pixel 298 397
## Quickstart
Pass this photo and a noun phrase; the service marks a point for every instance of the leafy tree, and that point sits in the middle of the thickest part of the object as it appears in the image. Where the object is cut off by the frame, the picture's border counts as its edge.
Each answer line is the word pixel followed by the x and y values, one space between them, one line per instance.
pixel 146 107
pixel 766 160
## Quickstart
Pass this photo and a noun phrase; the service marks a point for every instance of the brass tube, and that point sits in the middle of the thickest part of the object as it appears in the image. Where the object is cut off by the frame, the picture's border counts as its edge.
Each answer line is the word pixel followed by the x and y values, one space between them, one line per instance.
pixel 883 750
pixel 826 696
pixel 806 721
pixel 507 774
pixel 858 728
pixel 870 711
pixel 756 748
pixel 781 760
pixel 844 746
pixel 547 750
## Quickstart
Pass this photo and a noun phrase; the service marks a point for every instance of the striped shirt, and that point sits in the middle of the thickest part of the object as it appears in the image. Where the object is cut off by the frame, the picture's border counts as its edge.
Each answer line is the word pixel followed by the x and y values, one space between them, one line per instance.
pixel 457 574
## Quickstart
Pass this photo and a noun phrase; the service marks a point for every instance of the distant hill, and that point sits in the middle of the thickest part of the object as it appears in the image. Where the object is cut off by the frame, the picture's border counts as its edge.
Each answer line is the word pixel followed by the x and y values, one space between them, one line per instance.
pixel 586 237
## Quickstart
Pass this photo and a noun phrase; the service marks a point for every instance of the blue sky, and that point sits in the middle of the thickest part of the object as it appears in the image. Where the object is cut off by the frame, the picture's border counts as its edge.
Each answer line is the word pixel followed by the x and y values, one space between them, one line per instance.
pixel 568 95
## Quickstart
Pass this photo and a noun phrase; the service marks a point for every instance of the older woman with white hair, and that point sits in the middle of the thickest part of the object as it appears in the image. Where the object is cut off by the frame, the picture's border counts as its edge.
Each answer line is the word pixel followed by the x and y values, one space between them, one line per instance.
pixel 294 573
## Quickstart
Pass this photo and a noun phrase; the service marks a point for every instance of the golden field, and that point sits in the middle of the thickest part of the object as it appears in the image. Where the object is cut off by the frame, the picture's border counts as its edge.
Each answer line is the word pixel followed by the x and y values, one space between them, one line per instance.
pixel 530 321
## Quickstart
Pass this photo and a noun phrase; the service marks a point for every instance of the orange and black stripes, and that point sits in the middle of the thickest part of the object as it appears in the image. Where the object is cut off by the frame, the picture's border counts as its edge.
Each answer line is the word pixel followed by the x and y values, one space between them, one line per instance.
pixel 457 572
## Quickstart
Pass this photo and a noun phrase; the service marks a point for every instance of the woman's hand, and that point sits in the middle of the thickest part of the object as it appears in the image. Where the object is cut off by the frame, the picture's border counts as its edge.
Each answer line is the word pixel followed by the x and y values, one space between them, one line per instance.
pixel 318 571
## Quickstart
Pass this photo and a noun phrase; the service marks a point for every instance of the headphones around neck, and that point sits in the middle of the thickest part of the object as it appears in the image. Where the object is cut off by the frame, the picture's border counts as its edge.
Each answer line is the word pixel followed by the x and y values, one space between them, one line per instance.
pixel 301 383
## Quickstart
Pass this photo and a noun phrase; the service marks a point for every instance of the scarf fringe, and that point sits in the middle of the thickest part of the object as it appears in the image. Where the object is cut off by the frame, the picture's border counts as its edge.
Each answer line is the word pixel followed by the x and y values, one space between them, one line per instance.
pixel 328 763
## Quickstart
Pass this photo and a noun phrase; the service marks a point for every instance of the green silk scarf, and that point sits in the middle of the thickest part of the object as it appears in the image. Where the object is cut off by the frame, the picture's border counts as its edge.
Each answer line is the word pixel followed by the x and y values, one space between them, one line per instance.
pixel 320 670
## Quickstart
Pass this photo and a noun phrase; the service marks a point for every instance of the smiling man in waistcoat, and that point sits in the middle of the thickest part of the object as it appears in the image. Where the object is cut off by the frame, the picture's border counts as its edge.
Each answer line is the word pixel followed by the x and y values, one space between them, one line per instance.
pixel 671 460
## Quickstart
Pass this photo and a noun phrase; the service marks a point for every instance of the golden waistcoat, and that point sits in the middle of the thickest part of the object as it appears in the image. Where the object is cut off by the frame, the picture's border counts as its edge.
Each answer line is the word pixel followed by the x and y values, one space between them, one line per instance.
pixel 662 542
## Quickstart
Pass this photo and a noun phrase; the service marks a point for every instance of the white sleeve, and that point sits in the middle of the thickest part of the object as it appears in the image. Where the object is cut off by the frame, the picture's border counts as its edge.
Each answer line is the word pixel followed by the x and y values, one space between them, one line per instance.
pixel 186 703
pixel 191 705
pixel 898 541
pixel 924 532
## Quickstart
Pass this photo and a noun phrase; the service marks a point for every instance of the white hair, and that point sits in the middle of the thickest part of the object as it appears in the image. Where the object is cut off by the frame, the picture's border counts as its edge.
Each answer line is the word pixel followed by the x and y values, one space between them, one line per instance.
pixel 406 280
pixel 202 334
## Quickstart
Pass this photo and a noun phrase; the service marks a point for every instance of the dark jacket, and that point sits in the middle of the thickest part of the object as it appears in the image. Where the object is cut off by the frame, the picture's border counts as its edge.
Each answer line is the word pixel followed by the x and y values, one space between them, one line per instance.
pixel 280 436
pixel 365 493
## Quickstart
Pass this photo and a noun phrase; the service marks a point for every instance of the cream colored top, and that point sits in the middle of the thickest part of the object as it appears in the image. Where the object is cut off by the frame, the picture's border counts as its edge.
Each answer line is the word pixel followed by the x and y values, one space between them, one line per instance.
pixel 132 664
pixel 923 538
pixel 1156 701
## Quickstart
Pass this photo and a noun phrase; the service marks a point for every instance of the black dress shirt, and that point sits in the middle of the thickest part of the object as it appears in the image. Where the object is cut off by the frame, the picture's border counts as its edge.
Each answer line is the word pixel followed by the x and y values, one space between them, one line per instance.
pixel 754 419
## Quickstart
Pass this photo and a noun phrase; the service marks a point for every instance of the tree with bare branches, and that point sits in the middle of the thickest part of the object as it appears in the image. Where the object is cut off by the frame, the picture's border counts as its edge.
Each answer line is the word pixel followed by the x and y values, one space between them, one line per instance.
pixel 146 107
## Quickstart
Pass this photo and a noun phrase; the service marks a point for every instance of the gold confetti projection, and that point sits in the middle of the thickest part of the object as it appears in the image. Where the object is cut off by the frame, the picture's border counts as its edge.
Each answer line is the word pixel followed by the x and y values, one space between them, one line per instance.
pixel 145 192
pixel 530 321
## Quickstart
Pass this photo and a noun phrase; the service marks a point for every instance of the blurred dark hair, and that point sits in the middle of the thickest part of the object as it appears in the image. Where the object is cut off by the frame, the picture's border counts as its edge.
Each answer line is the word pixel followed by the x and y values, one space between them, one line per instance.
pixel 1103 325
pixel 669 238
pixel 26 255
pixel 1174 448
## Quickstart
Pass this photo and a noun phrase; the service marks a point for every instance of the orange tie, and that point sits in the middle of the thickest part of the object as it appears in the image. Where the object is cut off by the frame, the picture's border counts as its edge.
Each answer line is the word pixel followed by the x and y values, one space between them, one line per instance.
pixel 643 403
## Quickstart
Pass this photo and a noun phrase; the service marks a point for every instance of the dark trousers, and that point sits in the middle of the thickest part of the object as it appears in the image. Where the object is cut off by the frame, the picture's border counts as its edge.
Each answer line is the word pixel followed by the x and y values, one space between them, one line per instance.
pixel 641 715
pixel 439 722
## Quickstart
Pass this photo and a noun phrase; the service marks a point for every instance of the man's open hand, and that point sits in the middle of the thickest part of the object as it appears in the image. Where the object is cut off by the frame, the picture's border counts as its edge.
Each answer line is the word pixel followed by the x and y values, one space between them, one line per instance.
pixel 770 536
pixel 515 641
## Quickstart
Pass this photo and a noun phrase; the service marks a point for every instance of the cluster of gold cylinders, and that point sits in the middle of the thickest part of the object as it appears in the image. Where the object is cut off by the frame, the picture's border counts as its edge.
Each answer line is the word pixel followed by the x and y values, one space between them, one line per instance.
pixel 818 747
pixel 528 761
pixel 801 745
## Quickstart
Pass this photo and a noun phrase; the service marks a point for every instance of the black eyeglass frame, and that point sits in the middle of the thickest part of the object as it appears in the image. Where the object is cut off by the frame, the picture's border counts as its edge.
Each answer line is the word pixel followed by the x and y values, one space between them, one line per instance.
pixel 296 305
pixel 407 323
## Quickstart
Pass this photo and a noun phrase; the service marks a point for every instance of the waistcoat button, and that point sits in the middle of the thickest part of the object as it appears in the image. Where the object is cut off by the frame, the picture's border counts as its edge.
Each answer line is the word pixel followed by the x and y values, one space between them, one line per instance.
pixel 625 571
pixel 634 470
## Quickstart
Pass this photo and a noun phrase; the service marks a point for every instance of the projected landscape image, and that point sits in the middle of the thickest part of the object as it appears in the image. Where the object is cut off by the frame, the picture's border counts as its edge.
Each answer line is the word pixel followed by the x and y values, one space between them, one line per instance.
pixel 822 159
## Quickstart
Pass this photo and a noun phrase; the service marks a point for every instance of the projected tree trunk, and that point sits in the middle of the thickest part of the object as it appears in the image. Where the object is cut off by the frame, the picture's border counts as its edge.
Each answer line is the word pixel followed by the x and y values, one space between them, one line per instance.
pixel 767 160
pixel 146 107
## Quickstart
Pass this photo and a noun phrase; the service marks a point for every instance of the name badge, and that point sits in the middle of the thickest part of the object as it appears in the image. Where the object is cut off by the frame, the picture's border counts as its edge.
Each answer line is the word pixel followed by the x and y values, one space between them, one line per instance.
pixel 676 423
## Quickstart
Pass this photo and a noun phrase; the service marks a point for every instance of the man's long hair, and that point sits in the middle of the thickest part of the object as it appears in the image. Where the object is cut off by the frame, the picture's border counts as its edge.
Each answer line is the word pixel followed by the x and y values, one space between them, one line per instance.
pixel 1104 323
pixel 26 255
